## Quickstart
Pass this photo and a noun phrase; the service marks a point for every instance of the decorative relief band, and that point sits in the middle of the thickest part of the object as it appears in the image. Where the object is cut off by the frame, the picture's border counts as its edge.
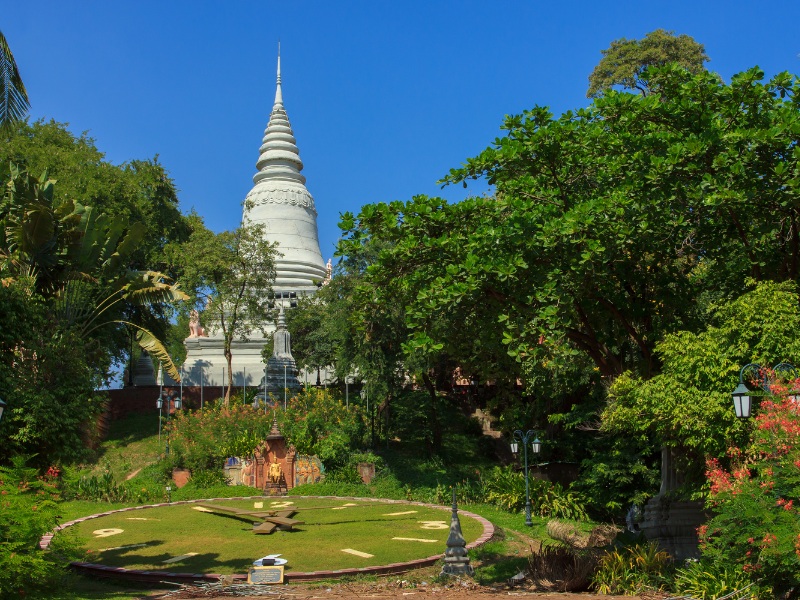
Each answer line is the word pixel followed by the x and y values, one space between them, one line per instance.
pixel 282 196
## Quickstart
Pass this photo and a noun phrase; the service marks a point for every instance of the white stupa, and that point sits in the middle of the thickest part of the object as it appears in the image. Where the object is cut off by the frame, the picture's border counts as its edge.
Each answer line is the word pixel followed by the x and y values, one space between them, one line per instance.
pixel 280 201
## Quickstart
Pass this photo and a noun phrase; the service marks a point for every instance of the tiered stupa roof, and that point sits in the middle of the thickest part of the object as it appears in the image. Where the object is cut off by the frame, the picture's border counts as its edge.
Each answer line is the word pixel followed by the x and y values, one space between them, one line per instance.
pixel 280 201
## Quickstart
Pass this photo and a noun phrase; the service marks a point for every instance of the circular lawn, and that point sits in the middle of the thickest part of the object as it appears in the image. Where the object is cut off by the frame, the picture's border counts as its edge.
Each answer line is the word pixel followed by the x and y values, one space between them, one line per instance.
pixel 336 534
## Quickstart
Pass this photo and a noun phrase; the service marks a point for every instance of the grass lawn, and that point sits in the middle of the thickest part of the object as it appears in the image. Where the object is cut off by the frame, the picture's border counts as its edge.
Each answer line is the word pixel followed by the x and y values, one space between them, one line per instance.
pixel 215 543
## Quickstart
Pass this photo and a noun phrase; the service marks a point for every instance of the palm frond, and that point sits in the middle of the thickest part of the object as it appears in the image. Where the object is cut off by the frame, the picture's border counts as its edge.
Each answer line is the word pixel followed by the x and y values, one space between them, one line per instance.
pixel 14 103
pixel 147 341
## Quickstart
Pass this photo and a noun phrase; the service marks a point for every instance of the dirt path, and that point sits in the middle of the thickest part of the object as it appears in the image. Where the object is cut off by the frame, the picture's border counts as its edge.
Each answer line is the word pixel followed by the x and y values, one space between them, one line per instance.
pixel 392 589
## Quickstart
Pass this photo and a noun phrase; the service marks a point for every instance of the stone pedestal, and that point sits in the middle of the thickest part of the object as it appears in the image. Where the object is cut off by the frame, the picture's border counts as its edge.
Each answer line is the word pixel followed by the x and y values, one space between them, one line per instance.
pixel 672 524
pixel 205 362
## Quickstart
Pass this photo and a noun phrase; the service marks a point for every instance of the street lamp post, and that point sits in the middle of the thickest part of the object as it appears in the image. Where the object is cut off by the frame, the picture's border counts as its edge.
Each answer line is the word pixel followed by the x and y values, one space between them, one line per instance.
pixel 171 400
pixel 347 391
pixel 743 399
pixel 536 445
pixel 159 404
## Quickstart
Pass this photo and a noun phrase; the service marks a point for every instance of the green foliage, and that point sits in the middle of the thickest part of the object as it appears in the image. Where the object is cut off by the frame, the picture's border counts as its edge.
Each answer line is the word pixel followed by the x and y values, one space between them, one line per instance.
pixel 105 488
pixel 28 510
pixel 756 527
pixel 14 102
pixel 139 191
pixel 506 488
pixel 209 479
pixel 201 440
pixel 313 330
pixel 317 422
pixel 632 570
pixel 48 381
pixel 688 406
pixel 612 223
pixel 65 273
pixel 626 62
pixel 230 277
pixel 709 580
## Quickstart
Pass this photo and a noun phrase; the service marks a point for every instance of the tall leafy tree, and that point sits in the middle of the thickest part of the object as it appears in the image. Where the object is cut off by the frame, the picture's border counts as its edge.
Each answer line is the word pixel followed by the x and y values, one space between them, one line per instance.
pixel 139 191
pixel 688 405
pixel 627 63
pixel 230 275
pixel 14 102
pixel 613 223
pixel 65 282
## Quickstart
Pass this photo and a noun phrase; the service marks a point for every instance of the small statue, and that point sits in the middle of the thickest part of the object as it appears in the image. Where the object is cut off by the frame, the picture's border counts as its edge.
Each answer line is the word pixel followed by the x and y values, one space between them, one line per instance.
pixel 247 472
pixel 328 272
pixel 195 329
pixel 275 471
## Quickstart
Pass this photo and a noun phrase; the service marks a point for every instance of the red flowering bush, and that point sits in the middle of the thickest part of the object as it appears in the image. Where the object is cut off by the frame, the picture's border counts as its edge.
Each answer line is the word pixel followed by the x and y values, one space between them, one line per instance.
pixel 757 522
pixel 314 422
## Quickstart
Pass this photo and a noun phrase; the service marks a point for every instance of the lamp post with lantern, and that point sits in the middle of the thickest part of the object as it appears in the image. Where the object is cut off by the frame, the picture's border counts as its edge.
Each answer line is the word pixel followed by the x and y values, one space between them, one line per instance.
pixel 536 446
pixel 167 400
pixel 743 397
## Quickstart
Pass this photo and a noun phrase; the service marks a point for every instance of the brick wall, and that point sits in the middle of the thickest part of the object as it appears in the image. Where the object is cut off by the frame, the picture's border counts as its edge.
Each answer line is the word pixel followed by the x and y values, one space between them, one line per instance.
pixel 142 399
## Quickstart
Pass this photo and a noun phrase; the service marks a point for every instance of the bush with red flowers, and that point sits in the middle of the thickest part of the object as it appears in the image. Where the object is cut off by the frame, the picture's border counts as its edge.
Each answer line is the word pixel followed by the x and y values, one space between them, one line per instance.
pixel 756 502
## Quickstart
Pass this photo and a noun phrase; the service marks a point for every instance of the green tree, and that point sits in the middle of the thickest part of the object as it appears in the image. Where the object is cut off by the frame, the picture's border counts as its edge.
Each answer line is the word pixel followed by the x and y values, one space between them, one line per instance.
pixel 626 63
pixel 613 225
pixel 65 283
pixel 688 405
pixel 14 102
pixel 28 510
pixel 313 337
pixel 230 275
pixel 139 191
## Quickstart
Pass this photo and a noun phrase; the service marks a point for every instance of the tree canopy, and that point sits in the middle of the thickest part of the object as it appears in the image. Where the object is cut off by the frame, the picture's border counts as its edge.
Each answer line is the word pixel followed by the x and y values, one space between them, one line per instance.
pixel 688 405
pixel 611 228
pixel 66 284
pixel 627 63
pixel 230 277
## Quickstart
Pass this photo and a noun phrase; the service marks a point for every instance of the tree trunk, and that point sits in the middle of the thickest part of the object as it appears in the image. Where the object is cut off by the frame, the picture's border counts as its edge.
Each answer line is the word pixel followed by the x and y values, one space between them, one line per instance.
pixel 229 359
pixel 433 416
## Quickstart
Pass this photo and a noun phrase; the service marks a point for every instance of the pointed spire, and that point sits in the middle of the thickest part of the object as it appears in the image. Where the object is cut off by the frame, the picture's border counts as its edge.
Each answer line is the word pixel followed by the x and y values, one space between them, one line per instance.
pixel 279 157
pixel 281 318
pixel 278 92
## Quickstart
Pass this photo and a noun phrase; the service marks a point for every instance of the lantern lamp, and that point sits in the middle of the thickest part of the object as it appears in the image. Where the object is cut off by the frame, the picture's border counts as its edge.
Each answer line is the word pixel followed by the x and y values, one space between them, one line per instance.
pixel 742 401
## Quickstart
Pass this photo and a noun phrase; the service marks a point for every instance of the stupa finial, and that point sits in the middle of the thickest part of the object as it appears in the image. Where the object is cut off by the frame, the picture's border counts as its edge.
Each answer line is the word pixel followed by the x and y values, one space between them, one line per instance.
pixel 278 93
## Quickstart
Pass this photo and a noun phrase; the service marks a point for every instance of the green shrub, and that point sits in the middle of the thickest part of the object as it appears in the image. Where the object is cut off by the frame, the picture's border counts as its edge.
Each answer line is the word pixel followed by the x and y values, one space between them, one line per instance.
pixel 314 422
pixel 27 511
pixel 202 440
pixel 209 478
pixel 105 488
pixel 756 526
pixel 632 570
pixel 318 423
pixel 707 580
pixel 506 489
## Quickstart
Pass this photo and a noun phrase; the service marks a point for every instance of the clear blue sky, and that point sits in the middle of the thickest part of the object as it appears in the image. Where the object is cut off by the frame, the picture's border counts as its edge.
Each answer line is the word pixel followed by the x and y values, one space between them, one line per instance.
pixel 384 97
